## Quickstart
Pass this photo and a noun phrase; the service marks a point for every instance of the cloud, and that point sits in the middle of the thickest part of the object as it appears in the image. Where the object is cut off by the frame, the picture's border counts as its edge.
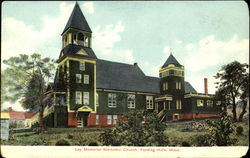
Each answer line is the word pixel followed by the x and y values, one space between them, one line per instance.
pixel 89 7
pixel 104 40
pixel 205 57
pixel 27 39
pixel 210 52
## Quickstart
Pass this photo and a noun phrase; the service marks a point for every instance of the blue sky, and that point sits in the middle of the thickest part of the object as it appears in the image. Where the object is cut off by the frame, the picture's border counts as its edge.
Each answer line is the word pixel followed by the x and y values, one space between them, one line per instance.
pixel 203 36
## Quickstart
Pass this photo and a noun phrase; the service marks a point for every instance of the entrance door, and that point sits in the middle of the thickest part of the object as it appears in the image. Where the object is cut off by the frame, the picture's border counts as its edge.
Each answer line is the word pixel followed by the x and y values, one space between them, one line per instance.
pixel 79 121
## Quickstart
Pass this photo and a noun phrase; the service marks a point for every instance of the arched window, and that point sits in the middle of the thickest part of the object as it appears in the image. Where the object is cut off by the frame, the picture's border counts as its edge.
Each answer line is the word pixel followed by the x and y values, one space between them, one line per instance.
pixel 80 36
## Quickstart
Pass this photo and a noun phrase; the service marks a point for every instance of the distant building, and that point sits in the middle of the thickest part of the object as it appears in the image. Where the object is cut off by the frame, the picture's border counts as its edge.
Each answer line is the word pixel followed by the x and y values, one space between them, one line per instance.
pixel 88 91
pixel 5 125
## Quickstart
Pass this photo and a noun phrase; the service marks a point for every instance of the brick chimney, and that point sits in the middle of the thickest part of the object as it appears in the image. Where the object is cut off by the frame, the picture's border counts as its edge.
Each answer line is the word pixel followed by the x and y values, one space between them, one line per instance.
pixel 205 86
pixel 135 64
pixel 10 109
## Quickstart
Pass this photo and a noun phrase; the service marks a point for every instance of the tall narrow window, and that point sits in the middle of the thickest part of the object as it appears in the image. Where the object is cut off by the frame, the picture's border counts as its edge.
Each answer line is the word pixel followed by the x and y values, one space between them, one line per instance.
pixel 86 98
pixel 82 66
pixel 179 85
pixel 97 119
pixel 178 104
pixel 109 120
pixel 78 78
pixel 166 85
pixel 131 101
pixel 149 102
pixel 78 97
pixel 115 118
pixel 97 99
pixel 111 100
pixel 86 79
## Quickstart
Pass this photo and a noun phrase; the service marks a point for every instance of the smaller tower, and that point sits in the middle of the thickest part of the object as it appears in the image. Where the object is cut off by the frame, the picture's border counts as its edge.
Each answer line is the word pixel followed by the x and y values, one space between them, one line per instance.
pixel 172 82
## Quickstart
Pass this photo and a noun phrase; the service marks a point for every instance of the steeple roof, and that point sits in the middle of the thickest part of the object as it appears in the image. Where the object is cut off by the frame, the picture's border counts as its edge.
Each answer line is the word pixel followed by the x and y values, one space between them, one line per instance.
pixel 77 20
pixel 171 60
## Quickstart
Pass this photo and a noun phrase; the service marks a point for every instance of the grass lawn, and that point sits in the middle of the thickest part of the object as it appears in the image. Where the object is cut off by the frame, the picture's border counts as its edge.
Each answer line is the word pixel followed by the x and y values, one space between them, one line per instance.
pixel 176 132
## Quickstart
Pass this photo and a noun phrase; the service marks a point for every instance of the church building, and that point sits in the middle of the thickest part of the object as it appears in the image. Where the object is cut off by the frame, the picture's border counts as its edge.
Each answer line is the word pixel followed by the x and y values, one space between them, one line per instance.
pixel 88 91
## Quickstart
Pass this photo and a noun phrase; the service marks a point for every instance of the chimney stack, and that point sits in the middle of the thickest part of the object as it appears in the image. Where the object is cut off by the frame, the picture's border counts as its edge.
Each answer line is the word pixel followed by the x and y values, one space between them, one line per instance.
pixel 205 86
pixel 135 63
pixel 10 109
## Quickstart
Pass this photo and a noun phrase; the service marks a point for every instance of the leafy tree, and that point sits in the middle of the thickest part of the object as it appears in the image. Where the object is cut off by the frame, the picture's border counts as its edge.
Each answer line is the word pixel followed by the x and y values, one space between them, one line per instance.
pixel 139 129
pixel 233 86
pixel 27 77
pixel 221 130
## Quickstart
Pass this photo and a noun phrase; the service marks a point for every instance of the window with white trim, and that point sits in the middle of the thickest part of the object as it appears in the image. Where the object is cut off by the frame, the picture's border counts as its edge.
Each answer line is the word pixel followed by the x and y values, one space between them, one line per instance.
pixel 78 78
pixel 86 79
pixel 218 103
pixel 111 100
pixel 200 102
pixel 209 103
pixel 115 118
pixel 82 66
pixel 165 86
pixel 178 85
pixel 78 97
pixel 109 120
pixel 85 98
pixel 178 104
pixel 131 101
pixel 97 119
pixel 149 102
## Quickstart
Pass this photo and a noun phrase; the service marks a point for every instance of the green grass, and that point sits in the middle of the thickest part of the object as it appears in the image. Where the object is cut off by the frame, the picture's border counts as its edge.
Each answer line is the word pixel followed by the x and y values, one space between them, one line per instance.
pixel 176 133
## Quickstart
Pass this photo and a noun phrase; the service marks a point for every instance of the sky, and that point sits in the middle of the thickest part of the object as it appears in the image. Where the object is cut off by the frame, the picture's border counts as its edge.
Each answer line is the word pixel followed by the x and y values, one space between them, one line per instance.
pixel 203 35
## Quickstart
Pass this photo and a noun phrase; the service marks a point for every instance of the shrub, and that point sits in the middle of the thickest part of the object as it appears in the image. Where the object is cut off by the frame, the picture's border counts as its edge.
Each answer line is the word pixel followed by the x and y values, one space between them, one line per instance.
pixel 139 129
pixel 221 130
pixel 239 130
pixel 93 144
pixel 70 136
pixel 62 142
pixel 185 144
pixel 203 140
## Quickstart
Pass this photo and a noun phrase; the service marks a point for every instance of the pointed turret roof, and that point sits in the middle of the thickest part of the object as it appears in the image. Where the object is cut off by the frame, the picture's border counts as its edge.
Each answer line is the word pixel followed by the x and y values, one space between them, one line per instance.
pixel 77 20
pixel 171 60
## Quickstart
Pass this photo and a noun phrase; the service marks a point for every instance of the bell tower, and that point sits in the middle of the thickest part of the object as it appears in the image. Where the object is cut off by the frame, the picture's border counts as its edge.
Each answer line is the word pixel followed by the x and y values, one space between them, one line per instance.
pixel 77 30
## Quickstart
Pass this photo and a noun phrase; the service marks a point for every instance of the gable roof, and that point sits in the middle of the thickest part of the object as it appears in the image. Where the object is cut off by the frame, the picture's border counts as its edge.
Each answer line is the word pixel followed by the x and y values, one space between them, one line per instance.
pixel 119 76
pixel 171 60
pixel 189 88
pixel 72 49
pixel 77 20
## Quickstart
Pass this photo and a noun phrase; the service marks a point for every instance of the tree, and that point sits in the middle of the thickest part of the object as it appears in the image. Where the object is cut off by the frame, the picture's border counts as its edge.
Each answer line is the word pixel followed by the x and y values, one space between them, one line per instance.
pixel 140 128
pixel 27 77
pixel 232 86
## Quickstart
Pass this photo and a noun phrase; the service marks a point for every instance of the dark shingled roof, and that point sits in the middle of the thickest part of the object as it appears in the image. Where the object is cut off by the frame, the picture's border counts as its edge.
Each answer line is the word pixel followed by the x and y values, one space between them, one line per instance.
pixel 119 76
pixel 77 20
pixel 189 88
pixel 72 49
pixel 171 60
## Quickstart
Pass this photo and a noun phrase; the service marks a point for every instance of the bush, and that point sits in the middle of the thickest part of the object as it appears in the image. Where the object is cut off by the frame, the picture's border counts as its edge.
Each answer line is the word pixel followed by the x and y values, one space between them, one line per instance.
pixel 203 140
pixel 239 130
pixel 139 129
pixel 93 144
pixel 62 142
pixel 185 144
pixel 70 136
